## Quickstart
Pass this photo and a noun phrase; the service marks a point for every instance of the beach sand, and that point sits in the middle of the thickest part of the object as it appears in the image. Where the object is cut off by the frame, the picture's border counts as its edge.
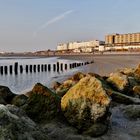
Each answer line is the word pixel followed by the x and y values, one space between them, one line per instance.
pixel 105 64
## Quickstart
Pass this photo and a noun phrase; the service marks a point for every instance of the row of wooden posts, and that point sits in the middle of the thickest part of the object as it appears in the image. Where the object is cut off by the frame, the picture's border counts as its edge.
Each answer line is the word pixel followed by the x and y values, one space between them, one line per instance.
pixel 16 68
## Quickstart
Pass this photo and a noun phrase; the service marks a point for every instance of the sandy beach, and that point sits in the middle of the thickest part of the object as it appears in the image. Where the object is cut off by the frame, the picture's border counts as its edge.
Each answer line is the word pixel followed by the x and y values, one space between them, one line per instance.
pixel 105 64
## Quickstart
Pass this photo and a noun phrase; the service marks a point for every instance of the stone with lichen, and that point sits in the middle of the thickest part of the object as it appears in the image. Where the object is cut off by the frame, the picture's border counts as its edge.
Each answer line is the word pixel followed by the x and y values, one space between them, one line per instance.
pixel 86 103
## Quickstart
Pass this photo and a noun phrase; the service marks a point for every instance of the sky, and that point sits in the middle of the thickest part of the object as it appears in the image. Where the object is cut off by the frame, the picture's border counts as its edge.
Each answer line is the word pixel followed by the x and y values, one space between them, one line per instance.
pixel 33 25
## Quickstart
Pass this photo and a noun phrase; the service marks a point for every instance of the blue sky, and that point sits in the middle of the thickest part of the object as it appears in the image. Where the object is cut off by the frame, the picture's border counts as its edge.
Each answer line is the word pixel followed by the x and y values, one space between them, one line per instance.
pixel 31 25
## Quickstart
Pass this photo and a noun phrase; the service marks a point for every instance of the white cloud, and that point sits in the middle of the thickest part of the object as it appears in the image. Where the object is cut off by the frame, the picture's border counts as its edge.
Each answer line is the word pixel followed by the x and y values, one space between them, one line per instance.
pixel 53 20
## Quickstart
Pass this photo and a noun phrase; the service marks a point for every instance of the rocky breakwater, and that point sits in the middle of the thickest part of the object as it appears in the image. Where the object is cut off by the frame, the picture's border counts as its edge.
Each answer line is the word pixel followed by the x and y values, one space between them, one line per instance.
pixel 82 107
pixel 86 106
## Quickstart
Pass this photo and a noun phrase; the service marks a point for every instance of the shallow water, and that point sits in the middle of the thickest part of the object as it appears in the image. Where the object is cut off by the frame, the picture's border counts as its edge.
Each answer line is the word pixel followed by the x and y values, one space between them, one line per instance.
pixel 23 82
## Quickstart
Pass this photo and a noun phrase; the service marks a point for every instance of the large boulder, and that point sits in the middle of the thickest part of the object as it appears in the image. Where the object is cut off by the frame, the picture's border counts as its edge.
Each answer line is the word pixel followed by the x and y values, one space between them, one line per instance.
pixel 86 104
pixel 119 81
pixel 6 95
pixel 19 100
pixel 15 125
pixel 42 104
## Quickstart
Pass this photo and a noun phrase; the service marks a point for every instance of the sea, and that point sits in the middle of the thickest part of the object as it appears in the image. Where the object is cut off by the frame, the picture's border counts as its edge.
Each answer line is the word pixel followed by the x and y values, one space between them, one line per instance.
pixel 22 82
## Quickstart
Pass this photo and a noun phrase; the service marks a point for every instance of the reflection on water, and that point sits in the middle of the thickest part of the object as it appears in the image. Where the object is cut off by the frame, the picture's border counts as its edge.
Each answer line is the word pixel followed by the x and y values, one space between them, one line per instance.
pixel 25 81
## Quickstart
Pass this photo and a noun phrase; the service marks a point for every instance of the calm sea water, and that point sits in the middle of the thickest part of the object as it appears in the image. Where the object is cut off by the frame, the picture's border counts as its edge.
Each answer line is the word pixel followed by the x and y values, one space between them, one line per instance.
pixel 24 82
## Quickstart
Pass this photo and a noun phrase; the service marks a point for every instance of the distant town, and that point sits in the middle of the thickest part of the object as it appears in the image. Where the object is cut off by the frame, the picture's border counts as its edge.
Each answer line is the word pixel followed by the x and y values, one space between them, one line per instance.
pixel 113 43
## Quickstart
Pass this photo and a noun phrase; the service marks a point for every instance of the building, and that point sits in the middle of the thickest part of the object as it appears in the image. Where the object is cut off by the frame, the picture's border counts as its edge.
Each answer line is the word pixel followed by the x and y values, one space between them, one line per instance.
pixel 87 46
pixel 130 39
pixel 63 47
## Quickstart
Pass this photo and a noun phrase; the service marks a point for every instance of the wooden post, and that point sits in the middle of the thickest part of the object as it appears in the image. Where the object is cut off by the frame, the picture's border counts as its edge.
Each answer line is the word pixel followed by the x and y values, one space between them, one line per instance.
pixel 10 69
pixel 16 68
pixel 45 67
pixel 34 67
pixel 38 68
pixel 49 67
pixel 5 69
pixel 26 68
pixel 61 66
pixel 31 68
pixel 70 66
pixel 66 67
pixel 21 68
pixel 57 66
pixel 1 70
pixel 42 67
pixel 54 67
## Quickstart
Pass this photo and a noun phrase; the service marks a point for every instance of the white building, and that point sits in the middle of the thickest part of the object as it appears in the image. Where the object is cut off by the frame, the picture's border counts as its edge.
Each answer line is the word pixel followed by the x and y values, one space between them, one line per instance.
pixel 87 46
pixel 61 47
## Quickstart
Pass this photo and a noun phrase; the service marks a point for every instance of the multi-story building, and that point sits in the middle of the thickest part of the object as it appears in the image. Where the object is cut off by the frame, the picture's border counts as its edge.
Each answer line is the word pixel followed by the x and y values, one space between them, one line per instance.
pixel 122 39
pixel 87 46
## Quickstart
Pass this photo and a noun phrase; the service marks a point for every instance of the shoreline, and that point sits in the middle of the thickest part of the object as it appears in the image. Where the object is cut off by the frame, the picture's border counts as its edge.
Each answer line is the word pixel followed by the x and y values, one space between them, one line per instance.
pixel 103 65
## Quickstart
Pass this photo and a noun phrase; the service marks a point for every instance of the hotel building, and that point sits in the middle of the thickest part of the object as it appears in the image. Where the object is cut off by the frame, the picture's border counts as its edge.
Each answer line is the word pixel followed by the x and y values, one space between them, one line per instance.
pixel 87 46
pixel 123 39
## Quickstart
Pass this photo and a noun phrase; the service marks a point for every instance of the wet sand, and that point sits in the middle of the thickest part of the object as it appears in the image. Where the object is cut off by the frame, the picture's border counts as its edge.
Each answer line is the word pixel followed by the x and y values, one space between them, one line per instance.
pixel 105 64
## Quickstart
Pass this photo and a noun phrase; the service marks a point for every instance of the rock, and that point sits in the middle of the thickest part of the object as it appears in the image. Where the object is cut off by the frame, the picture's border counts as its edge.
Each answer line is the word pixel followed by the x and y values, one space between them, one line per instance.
pixel 66 85
pixel 137 73
pixel 128 71
pixel 56 85
pixel 6 95
pixel 62 92
pixel 15 125
pixel 58 131
pixel 86 103
pixel 119 81
pixel 96 130
pixel 122 98
pixel 136 90
pixel 19 100
pixel 42 104
pixel 132 111
pixel 78 76
pixel 2 101
pixel 132 82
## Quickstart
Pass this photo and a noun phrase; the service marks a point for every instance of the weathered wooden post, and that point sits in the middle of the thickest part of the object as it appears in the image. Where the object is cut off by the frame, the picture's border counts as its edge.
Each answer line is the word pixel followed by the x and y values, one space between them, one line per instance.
pixel 61 66
pixel 1 70
pixel 34 68
pixel 66 67
pixel 38 68
pixel 75 65
pixel 57 66
pixel 45 67
pixel 49 67
pixel 16 68
pixel 10 69
pixel 42 67
pixel 21 68
pixel 26 68
pixel 54 67
pixel 70 66
pixel 5 69
pixel 31 68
